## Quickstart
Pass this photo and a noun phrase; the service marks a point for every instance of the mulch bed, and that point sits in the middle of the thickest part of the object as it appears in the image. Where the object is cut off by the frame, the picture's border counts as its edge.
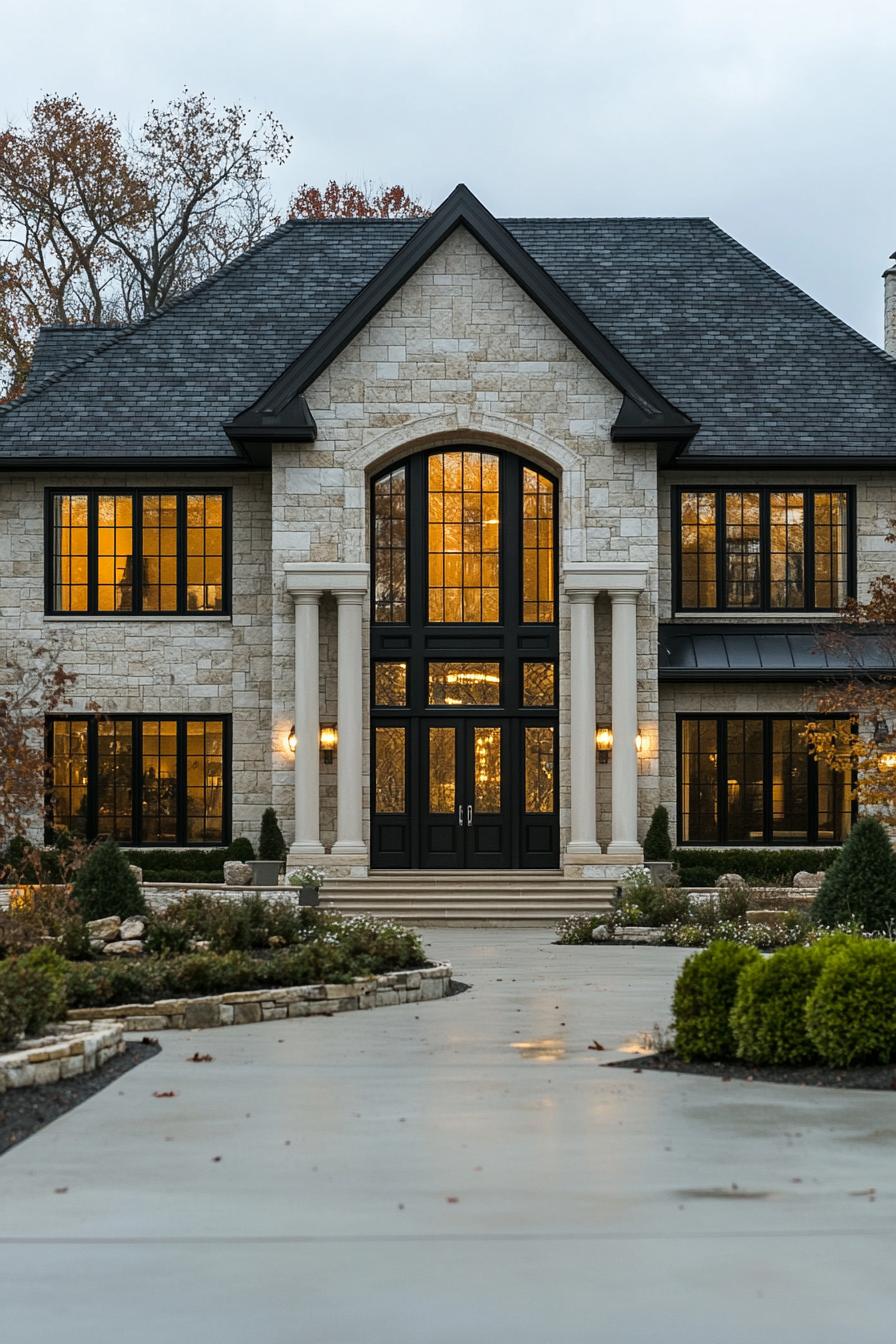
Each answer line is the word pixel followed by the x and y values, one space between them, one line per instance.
pixel 25 1110
pixel 870 1077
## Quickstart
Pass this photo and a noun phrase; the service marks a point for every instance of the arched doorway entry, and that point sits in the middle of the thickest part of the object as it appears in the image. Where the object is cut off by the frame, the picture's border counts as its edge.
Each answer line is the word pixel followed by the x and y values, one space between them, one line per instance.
pixel 464 677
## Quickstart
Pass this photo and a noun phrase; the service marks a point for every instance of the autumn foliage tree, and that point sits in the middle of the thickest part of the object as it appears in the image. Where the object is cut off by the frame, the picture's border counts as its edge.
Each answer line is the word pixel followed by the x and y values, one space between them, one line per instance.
pixel 34 684
pixel 350 201
pixel 102 225
pixel 862 742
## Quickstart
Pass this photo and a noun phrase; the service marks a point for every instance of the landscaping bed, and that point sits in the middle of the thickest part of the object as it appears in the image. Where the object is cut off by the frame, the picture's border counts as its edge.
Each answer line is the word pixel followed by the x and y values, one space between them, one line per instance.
pixel 25 1110
pixel 869 1077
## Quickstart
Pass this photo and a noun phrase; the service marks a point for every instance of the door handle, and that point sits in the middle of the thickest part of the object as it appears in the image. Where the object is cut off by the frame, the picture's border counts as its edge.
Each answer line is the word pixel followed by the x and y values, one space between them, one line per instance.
pixel 460 814
pixel 469 814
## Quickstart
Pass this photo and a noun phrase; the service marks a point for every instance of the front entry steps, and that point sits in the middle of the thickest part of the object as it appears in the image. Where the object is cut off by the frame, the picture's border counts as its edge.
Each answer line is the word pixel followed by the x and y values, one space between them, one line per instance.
pixel 513 897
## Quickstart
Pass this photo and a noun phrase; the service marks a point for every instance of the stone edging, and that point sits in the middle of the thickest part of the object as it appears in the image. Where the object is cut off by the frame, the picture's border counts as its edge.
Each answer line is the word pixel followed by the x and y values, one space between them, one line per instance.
pixel 266 1005
pixel 78 1046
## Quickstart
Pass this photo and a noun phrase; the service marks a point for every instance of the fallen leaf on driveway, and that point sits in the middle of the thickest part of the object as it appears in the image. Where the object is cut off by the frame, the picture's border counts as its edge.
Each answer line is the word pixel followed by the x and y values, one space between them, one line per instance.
pixel 451 1199
pixel 61 1190
pixel 199 1059
pixel 595 1045
pixel 164 1094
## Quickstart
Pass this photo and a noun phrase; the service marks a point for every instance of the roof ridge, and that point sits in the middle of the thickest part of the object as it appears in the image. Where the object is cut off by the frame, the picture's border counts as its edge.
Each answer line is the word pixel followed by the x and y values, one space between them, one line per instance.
pixel 784 283
pixel 122 334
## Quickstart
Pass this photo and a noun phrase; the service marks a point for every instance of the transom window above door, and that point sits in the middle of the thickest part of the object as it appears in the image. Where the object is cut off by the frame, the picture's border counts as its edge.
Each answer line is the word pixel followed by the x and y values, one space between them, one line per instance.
pixel 764 549
pixel 464 537
pixel 138 552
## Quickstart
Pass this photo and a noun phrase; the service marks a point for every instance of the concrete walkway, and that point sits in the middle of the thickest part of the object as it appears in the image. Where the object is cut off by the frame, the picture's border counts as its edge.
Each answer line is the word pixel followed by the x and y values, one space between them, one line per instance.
pixel 461 1170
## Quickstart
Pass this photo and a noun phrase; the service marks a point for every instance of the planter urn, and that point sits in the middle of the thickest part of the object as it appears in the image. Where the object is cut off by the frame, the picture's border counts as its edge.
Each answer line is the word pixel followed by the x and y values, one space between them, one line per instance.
pixel 309 894
pixel 265 872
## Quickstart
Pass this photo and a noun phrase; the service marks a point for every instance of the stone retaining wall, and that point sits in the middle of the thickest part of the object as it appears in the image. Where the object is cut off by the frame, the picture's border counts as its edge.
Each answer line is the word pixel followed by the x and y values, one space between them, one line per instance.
pixel 78 1046
pixel 267 1005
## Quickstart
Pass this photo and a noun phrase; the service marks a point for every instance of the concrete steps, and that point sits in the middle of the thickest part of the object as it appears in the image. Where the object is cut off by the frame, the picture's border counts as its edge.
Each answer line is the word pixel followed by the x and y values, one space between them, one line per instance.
pixel 486 897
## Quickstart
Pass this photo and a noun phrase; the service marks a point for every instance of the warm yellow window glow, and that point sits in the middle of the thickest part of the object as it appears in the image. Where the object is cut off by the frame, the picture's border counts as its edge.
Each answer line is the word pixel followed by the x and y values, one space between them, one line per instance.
pixel 538 753
pixel 159 745
pixel 205 780
pixel 70 553
pixel 391 765
pixel 538 685
pixel 538 547
pixel 159 553
pixel 487 770
pixel 390 684
pixel 464 684
pixel 442 770
pixel 205 553
pixel 464 538
pixel 115 553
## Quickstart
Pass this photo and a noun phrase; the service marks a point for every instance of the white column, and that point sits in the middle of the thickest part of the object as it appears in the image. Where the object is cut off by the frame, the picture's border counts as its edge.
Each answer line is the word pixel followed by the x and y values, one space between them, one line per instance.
pixel 349 771
pixel 624 665
pixel 583 830
pixel 307 839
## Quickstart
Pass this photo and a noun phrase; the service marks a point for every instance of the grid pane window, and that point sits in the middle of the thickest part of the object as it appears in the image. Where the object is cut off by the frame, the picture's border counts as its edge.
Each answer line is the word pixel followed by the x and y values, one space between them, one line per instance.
pixel 390 585
pixel 780 550
pixel 538 685
pixel 538 769
pixel 787 545
pixel 68 775
pixel 463 538
pixel 160 553
pixel 205 780
pixel 179 536
pixel 115 779
pixel 464 684
pixel 831 541
pixel 115 553
pixel 137 779
pixel 742 542
pixel 442 770
pixel 390 788
pixel 538 547
pixel 698 548
pixel 70 553
pixel 753 780
pixel 390 684
pixel 699 782
pixel 205 552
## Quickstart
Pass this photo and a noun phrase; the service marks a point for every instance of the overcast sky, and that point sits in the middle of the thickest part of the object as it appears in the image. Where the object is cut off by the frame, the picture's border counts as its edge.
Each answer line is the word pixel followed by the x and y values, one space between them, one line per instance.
pixel 775 117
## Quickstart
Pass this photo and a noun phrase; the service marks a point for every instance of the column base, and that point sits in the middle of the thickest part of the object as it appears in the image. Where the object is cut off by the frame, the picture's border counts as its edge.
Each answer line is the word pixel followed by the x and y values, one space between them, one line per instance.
pixel 628 848
pixel 351 848
pixel 300 851
pixel 583 850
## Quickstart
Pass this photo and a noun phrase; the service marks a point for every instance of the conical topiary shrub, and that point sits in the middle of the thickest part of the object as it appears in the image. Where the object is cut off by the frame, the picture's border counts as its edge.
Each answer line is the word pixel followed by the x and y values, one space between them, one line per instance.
pixel 658 841
pixel 271 844
pixel 106 886
pixel 861 882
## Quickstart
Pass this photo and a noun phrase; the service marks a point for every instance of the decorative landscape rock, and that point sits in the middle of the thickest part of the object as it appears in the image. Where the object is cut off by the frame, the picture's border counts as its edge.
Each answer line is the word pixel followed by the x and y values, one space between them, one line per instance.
pixel 810 881
pixel 134 927
pixel 132 948
pixel 237 874
pixel 730 880
pixel 600 934
pixel 106 929
pixel 138 872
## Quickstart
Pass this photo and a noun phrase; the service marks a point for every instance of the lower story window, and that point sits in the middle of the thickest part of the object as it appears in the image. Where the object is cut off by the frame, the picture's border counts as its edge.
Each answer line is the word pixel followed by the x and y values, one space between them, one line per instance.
pixel 139 779
pixel 752 779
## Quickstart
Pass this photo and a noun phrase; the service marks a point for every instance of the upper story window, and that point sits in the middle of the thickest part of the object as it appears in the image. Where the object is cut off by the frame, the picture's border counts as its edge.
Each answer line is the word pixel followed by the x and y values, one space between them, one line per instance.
pixel 464 537
pixel 138 552
pixel 765 549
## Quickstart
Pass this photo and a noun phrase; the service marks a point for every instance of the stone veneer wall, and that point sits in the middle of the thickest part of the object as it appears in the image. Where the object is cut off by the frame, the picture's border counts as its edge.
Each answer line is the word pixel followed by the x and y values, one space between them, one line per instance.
pixel 77 1047
pixel 460 355
pixel 158 664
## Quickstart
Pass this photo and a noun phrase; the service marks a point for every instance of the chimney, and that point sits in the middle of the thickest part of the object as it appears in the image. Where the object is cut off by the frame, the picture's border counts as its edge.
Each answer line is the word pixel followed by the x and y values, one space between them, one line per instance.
pixel 890 309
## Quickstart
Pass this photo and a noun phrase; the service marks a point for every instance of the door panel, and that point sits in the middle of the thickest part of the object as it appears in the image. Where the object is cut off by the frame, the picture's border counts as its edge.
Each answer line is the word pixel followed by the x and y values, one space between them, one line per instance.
pixel 390 797
pixel 487 816
pixel 442 839
pixel 539 823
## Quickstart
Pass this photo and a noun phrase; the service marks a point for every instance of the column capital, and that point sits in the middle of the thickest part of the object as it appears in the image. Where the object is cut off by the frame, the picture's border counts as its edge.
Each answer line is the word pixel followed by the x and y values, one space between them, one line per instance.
pixel 325 576
pixel 612 576
pixel 627 596
pixel 350 596
pixel 308 597
pixel 582 595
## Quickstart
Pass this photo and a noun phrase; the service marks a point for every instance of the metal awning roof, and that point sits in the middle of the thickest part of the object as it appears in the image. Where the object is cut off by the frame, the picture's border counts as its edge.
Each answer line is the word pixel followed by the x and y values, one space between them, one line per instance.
pixel 707 652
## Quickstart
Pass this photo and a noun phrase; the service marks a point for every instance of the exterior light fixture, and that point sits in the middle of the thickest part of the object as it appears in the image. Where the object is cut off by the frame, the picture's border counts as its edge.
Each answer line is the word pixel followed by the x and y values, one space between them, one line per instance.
pixel 881 732
pixel 640 741
pixel 328 739
pixel 888 760
pixel 291 739
pixel 603 740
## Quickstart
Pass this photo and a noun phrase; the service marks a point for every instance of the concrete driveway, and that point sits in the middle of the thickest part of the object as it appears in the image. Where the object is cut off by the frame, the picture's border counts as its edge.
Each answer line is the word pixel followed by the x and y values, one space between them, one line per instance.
pixel 464 1169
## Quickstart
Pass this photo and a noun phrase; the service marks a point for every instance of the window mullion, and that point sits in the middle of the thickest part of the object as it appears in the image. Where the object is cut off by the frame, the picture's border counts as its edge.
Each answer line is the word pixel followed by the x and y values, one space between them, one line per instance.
pixel 722 778
pixel 721 552
pixel 92 551
pixel 181 782
pixel 137 551
pixel 765 550
pixel 767 773
pixel 93 782
pixel 181 601
pixel 809 548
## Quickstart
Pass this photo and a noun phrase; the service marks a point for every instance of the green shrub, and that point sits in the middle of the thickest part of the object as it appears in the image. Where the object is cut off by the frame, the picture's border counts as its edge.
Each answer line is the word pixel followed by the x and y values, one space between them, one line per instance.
pixel 106 886
pixel 703 999
pixel 685 935
pixel 240 850
pixel 657 841
pixel 12 1022
pixel 862 883
pixel 271 844
pixel 759 867
pixel 34 984
pixel 184 865
pixel 768 1018
pixel 851 1012
pixel 167 937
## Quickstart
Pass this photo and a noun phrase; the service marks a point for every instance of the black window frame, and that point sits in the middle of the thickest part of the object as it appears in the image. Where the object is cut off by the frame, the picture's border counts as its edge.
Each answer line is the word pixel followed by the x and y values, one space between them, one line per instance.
pixel 136 721
pixel 765 492
pixel 137 495
pixel 768 838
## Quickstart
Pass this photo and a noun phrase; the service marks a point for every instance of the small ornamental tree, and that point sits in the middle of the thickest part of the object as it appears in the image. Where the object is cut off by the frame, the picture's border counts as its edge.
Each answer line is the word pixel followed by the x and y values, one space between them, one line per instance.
pixel 271 844
pixel 106 886
pixel 657 841
pixel 861 883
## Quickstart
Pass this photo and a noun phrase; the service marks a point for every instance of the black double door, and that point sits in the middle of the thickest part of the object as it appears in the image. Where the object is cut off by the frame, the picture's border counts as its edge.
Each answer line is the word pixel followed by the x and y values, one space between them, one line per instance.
pixel 476 791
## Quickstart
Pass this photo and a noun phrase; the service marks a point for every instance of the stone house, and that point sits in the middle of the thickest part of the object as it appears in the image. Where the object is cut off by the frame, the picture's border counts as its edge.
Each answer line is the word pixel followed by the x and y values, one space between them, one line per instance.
pixel 463 542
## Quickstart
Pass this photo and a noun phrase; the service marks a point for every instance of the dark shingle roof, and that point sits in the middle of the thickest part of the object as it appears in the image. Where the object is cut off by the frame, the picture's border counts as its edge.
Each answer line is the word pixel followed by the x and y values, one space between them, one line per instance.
pixel 762 368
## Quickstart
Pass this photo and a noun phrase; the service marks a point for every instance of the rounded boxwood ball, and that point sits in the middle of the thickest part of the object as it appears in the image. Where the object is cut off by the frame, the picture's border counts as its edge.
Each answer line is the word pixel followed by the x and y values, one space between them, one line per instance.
pixel 851 1012
pixel 704 996
pixel 768 1018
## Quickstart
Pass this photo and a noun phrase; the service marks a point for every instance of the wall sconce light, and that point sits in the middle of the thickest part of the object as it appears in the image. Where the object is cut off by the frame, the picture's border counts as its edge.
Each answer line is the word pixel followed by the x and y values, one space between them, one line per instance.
pixel 888 761
pixel 881 732
pixel 603 740
pixel 328 740
pixel 641 741
pixel 291 739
